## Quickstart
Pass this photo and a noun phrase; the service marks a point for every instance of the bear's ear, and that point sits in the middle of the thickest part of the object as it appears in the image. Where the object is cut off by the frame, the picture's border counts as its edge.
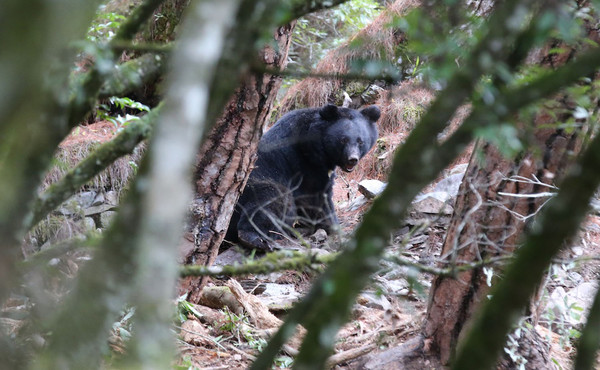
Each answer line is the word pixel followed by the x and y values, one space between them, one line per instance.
pixel 372 113
pixel 329 112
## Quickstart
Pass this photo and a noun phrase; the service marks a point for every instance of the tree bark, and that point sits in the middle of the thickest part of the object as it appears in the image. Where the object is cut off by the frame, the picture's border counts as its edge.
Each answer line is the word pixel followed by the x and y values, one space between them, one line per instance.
pixel 225 161
pixel 486 224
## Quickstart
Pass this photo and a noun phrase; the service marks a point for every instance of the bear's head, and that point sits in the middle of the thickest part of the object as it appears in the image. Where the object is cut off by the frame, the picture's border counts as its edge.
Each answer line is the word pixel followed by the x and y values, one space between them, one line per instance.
pixel 348 134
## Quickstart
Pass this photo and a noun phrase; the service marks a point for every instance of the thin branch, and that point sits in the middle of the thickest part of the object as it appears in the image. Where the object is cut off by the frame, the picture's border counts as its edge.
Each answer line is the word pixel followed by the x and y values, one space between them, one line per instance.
pixel 451 271
pixel 526 180
pixel 142 47
pixel 130 27
pixel 519 216
pixel 295 9
pixel 533 195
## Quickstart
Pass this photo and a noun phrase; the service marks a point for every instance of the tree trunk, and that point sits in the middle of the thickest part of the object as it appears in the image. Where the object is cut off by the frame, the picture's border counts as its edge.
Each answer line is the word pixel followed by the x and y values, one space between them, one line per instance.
pixel 489 220
pixel 225 161
pixel 488 223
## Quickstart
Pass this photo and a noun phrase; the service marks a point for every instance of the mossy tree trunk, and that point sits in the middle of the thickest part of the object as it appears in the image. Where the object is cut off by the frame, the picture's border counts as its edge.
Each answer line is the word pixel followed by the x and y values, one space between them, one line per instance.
pixel 226 158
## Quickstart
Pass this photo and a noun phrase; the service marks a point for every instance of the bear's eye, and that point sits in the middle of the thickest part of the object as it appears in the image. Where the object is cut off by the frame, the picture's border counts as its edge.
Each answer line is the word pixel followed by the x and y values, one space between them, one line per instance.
pixel 345 140
pixel 359 141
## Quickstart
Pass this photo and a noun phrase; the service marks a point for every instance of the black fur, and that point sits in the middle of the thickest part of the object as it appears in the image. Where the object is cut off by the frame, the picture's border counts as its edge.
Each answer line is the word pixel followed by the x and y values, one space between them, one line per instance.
pixel 292 180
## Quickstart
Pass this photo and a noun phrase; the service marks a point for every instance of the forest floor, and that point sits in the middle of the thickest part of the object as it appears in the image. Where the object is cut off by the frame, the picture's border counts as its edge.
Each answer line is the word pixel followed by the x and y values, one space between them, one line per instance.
pixel 391 310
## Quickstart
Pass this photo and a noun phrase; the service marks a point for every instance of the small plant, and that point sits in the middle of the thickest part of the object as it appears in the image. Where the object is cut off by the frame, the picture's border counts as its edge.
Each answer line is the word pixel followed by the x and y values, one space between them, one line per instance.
pixel 121 103
pixel 186 364
pixel 238 325
pixel 104 27
pixel 511 347
pixel 122 328
pixel 284 362
pixel 184 308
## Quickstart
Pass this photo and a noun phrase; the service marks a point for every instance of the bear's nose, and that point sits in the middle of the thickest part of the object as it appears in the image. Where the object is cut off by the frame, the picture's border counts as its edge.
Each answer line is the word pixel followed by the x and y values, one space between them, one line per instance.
pixel 352 161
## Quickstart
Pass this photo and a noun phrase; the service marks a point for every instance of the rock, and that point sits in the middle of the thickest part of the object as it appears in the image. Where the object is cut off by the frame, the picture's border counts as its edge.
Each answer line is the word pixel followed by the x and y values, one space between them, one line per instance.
pixel 582 296
pixel 568 304
pixel 273 289
pixel 318 237
pixel 356 203
pixel 373 300
pixel 111 197
pixel 89 223
pixel 94 210
pixel 194 333
pixel 371 188
pixel 230 257
pixel 279 296
pixel 98 200
pixel 450 184
pixel 577 251
pixel 84 199
pixel 575 278
pixel 106 218
pixel 432 205
pixel 439 195
pixel 219 296
pixel 459 168
pixel 395 287
pixel 403 231
pixel 38 341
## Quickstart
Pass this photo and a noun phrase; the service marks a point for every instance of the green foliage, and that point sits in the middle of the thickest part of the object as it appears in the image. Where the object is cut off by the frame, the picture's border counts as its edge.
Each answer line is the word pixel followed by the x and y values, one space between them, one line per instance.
pixel 284 362
pixel 317 33
pixel 124 326
pixel 186 364
pixel 434 49
pixel 184 308
pixel 103 111
pixel 240 327
pixel 104 27
pixel 513 343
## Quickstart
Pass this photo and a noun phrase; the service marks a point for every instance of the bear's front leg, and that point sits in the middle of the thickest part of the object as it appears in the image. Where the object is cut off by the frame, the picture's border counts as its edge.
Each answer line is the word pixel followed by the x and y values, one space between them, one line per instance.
pixel 330 220
pixel 252 240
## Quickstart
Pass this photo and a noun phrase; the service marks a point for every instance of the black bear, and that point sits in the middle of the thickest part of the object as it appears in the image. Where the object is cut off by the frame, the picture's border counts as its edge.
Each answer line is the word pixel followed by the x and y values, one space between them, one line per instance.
pixel 292 181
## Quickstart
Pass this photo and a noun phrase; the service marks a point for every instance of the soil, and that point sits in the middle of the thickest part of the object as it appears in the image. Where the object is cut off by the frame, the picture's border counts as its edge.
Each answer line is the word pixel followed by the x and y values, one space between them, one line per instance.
pixel 97 132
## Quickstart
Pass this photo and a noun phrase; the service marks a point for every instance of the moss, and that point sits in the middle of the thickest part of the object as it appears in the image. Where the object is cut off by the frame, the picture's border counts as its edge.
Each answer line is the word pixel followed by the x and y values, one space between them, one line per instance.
pixel 412 113
pixel 163 25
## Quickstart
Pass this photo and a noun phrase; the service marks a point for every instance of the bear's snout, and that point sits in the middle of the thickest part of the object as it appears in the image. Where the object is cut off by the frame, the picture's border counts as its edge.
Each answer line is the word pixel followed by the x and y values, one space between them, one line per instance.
pixel 351 162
